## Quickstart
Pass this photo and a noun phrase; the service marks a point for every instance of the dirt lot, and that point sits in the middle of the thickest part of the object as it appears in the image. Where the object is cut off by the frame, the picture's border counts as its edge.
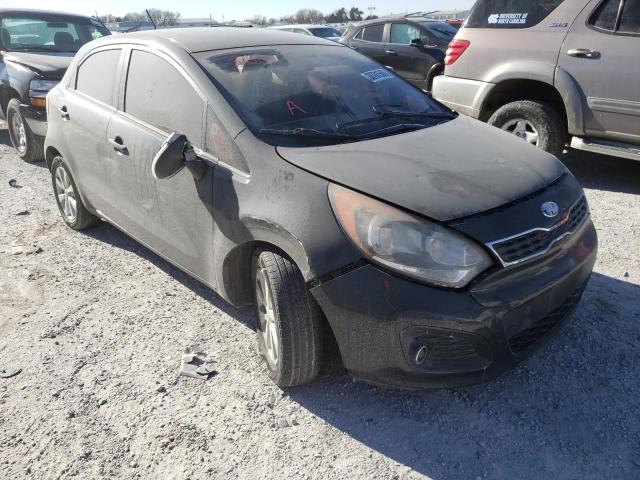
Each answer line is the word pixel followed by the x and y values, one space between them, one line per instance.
pixel 98 325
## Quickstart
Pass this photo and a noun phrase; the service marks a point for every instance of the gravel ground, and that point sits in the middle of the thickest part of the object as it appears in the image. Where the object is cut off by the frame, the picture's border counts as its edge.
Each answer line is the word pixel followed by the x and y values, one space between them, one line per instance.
pixel 98 325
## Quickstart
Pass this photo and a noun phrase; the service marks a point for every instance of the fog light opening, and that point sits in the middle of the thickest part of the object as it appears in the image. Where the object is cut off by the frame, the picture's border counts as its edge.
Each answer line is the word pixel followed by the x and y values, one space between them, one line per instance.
pixel 421 355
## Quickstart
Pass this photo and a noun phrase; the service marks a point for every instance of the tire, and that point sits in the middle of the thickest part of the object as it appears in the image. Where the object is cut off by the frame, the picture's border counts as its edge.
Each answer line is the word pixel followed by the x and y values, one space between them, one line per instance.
pixel 63 182
pixel 296 321
pixel 29 147
pixel 540 119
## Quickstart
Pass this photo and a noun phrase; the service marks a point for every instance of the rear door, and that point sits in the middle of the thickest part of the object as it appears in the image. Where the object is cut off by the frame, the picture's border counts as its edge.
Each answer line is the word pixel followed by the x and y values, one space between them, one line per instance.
pixel 170 216
pixel 87 108
pixel 411 62
pixel 601 53
pixel 369 41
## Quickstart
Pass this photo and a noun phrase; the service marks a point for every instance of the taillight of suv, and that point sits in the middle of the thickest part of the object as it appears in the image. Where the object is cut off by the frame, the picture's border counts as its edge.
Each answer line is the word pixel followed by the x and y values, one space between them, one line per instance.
pixel 456 48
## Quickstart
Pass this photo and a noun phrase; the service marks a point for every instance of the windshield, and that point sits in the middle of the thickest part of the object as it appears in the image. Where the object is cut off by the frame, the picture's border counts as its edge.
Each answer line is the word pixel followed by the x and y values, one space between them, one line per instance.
pixel 331 93
pixel 442 31
pixel 52 33
pixel 325 32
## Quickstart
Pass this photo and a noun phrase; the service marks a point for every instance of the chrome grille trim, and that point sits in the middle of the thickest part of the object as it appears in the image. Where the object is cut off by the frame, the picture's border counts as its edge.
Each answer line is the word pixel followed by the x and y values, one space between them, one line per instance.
pixel 505 263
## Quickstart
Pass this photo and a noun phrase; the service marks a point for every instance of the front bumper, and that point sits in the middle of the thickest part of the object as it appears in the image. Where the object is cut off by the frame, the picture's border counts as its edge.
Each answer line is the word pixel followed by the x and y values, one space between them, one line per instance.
pixel 36 118
pixel 460 94
pixel 381 321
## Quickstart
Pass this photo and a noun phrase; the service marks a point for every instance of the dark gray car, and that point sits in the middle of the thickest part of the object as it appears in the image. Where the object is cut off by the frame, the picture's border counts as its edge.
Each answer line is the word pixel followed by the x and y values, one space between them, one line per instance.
pixel 295 174
pixel 36 47
pixel 413 46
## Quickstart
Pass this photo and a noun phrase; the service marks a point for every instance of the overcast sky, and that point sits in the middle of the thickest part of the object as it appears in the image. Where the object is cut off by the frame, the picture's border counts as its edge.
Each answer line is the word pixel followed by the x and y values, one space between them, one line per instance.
pixel 238 10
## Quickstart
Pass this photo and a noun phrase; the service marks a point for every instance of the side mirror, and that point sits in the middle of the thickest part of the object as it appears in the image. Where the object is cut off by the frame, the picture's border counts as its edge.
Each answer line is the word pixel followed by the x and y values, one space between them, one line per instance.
pixel 170 159
pixel 417 43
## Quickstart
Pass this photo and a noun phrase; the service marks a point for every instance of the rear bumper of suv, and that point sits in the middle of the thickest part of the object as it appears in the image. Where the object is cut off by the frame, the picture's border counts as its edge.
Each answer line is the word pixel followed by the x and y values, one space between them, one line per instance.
pixel 381 321
pixel 462 95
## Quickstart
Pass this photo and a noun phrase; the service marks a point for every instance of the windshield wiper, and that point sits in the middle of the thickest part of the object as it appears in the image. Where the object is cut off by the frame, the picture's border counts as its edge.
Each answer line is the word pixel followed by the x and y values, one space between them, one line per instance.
pixel 37 48
pixel 438 116
pixel 307 132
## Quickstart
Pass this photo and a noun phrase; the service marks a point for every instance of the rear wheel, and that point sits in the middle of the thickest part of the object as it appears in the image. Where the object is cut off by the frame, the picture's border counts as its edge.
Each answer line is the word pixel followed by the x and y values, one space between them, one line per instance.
pixel 29 146
pixel 539 124
pixel 288 323
pixel 73 211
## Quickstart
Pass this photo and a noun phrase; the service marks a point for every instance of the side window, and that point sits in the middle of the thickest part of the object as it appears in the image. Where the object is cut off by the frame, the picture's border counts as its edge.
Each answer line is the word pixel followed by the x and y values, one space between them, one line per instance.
pixel 403 33
pixel 358 36
pixel 159 95
pixel 373 33
pixel 605 16
pixel 301 31
pixel 510 13
pixel 96 76
pixel 630 19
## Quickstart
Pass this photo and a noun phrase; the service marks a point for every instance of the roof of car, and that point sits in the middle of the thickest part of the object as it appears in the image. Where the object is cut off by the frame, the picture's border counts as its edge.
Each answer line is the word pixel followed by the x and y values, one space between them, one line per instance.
pixel 202 39
pixel 4 11
pixel 300 25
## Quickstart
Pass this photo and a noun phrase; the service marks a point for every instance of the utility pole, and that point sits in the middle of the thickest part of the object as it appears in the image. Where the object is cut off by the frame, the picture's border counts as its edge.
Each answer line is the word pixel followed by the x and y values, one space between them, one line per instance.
pixel 371 10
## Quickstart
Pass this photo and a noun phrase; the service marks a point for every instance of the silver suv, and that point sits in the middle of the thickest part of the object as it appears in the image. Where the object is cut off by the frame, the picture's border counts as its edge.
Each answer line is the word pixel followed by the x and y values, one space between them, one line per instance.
pixel 550 72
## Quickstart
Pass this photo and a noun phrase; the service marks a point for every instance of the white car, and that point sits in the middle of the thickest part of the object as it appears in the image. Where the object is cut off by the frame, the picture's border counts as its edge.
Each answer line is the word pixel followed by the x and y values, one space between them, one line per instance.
pixel 322 31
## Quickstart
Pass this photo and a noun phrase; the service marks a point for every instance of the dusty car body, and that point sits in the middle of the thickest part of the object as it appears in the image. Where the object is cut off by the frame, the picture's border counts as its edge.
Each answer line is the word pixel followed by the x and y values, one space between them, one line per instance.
pixel 219 150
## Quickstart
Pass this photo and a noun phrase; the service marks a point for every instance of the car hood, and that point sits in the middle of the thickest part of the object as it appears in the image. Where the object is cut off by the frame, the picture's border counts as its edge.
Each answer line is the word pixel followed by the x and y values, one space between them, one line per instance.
pixel 48 65
pixel 446 172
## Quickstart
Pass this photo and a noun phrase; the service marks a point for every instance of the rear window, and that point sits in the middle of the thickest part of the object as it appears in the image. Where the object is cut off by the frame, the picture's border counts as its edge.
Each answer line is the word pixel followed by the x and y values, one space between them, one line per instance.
pixel 510 13
pixel 325 32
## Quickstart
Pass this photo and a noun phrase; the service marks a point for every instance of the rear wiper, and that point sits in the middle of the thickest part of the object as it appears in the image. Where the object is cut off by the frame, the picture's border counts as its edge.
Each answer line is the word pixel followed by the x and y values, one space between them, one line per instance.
pixel 306 132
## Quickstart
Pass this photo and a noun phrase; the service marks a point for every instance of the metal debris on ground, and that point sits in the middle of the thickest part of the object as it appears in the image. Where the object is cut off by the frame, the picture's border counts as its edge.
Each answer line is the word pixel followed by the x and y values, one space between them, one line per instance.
pixel 195 367
pixel 10 373
pixel 14 183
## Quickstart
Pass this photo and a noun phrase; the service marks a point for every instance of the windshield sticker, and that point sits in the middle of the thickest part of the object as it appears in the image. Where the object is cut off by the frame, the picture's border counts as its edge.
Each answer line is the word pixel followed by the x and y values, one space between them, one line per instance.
pixel 508 19
pixel 378 75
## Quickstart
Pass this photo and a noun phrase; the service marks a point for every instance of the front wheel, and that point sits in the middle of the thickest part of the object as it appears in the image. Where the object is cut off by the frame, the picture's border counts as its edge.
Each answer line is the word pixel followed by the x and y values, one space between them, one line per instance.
pixel 29 147
pixel 73 211
pixel 537 123
pixel 288 323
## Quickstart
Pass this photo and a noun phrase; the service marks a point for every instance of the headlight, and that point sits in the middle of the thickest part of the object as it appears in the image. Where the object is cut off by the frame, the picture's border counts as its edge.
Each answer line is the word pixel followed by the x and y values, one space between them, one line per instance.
pixel 407 244
pixel 41 86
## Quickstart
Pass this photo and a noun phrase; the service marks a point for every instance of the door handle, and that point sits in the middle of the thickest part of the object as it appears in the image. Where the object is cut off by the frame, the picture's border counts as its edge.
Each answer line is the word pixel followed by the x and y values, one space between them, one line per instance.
pixel 118 145
pixel 391 52
pixel 63 112
pixel 583 53
pixel 353 47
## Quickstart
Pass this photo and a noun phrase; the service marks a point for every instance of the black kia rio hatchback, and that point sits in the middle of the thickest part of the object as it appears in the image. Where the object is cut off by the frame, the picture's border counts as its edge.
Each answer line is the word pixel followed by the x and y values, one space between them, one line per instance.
pixel 295 174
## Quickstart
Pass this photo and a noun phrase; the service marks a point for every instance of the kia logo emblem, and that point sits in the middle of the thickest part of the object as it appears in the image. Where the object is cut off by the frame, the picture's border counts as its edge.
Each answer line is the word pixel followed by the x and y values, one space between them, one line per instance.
pixel 550 209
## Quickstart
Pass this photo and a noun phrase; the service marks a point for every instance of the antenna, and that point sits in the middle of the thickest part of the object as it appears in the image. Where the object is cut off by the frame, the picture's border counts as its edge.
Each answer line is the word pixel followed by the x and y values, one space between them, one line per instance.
pixel 155 27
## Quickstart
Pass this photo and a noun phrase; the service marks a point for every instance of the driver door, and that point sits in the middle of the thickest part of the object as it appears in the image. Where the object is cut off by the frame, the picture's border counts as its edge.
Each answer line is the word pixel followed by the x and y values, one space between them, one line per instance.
pixel 412 63
pixel 173 217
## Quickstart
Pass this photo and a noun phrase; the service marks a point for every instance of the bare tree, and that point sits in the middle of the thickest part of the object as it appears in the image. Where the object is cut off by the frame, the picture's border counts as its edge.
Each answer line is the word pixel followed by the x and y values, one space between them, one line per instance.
pixel 259 20
pixel 309 15
pixel 163 18
pixel 338 16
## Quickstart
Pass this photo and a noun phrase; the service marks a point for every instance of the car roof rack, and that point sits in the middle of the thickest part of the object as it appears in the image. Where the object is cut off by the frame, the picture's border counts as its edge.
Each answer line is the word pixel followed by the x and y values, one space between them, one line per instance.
pixel 419 14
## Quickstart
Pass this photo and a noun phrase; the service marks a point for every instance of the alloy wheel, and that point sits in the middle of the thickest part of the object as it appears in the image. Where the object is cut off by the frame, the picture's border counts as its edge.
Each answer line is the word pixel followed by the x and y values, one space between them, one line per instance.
pixel 19 133
pixel 66 195
pixel 523 129
pixel 268 327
